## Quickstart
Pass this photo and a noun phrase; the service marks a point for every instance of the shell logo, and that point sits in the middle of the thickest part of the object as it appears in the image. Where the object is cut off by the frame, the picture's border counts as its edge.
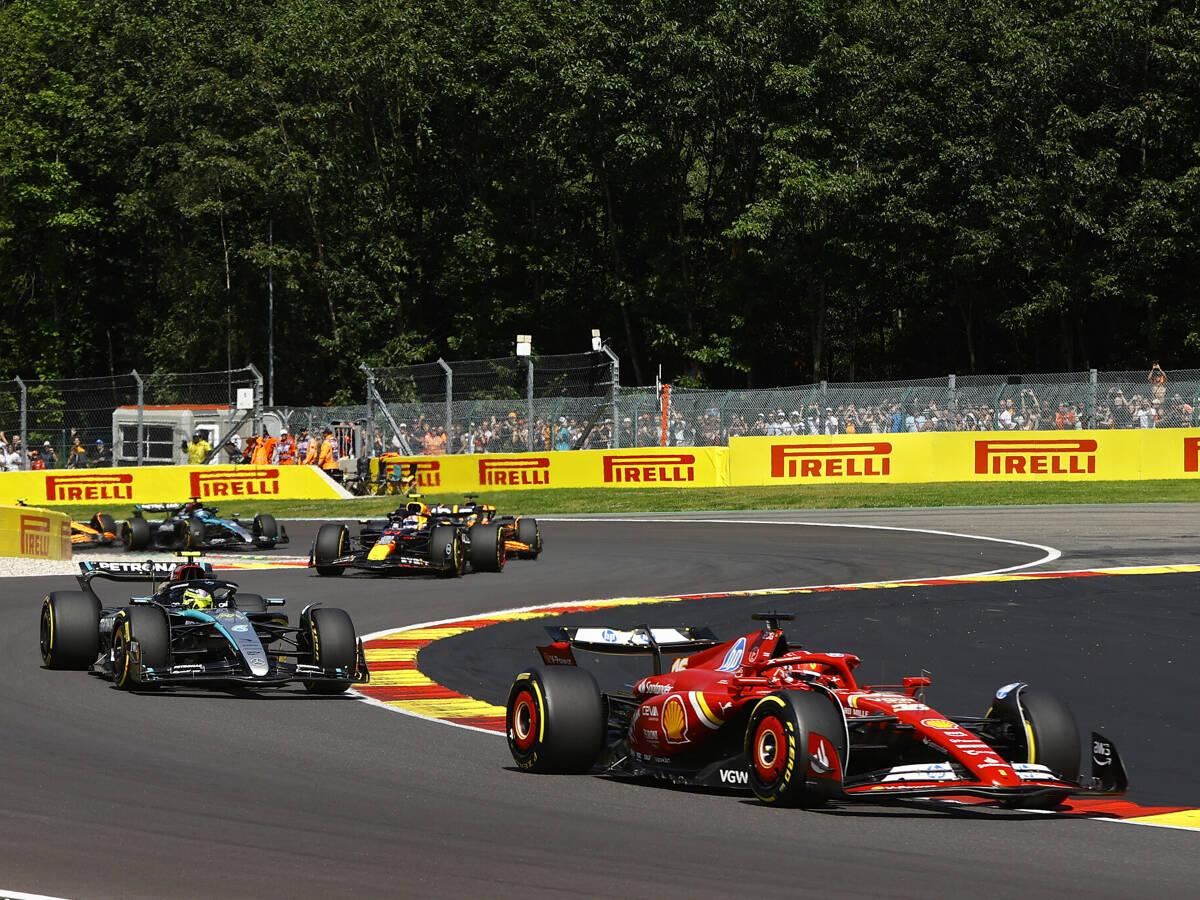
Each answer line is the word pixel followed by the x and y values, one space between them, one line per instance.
pixel 674 720
pixel 939 724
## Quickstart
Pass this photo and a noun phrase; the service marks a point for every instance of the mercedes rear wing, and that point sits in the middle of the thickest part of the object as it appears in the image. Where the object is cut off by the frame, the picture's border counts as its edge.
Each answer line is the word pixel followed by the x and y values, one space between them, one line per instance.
pixel 159 507
pixel 637 641
pixel 148 570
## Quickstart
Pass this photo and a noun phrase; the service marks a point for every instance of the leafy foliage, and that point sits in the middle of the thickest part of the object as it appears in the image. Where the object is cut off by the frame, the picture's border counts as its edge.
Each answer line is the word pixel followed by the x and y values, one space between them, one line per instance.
pixel 751 192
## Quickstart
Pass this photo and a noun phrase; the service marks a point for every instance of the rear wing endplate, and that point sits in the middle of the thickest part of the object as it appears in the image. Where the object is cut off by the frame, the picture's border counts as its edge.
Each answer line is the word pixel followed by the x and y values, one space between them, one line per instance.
pixel 639 640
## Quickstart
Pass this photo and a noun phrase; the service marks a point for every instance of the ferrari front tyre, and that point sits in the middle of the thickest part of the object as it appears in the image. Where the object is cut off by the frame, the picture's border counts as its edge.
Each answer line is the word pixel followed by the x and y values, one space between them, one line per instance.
pixel 141 639
pixel 135 533
pixel 1045 733
pixel 330 544
pixel 265 526
pixel 330 635
pixel 446 550
pixel 796 749
pixel 529 533
pixel 486 553
pixel 69 632
pixel 555 720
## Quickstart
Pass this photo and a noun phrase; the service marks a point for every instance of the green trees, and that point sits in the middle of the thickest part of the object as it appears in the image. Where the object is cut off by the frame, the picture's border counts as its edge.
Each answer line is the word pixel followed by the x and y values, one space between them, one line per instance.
pixel 751 191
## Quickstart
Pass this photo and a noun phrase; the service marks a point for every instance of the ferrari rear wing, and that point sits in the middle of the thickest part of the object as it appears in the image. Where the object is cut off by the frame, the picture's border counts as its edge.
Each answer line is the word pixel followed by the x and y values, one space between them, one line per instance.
pixel 639 640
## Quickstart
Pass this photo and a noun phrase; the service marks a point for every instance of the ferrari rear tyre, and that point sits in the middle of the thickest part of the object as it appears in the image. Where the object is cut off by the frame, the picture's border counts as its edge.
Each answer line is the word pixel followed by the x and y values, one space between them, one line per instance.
pixel 487 548
pixel 135 533
pixel 796 749
pixel 69 632
pixel 265 526
pixel 147 627
pixel 555 720
pixel 529 533
pixel 331 542
pixel 330 636
pixel 454 559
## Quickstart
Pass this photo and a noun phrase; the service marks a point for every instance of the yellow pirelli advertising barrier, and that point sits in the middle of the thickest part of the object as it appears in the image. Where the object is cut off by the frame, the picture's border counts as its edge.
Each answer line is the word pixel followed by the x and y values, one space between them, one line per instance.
pixel 967 456
pixel 113 488
pixel 669 467
pixel 34 533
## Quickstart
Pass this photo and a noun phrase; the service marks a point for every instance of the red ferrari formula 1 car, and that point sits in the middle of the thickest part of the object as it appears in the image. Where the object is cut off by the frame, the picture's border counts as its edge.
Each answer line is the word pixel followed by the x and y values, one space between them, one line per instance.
pixel 791 725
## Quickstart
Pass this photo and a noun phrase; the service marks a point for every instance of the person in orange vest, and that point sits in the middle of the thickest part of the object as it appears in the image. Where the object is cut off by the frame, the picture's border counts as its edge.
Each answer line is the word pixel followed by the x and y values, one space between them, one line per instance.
pixel 248 450
pixel 327 456
pixel 311 446
pixel 287 449
pixel 264 448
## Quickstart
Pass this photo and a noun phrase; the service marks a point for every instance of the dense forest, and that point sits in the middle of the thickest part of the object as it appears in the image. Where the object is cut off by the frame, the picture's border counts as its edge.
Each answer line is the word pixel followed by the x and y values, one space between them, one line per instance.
pixel 752 193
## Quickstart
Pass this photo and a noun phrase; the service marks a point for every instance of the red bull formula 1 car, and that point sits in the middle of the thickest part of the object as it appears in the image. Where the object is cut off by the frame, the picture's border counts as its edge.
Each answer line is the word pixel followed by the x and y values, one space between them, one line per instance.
pixel 793 726
pixel 414 538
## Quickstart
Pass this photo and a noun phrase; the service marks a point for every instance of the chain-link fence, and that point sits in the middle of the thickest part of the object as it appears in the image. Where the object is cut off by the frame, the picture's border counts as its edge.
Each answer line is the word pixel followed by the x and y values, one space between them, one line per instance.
pixel 540 403
pixel 490 405
pixel 124 419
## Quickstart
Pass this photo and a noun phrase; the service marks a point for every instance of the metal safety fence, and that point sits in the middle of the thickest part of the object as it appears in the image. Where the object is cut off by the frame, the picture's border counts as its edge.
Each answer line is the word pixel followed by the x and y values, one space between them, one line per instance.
pixel 124 419
pixel 541 403
pixel 664 416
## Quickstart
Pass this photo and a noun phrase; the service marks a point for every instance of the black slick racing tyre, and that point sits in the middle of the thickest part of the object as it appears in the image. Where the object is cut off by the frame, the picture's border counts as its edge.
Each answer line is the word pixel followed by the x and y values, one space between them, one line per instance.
pixel 486 553
pixel 193 534
pixel 1046 734
pixel 555 720
pixel 446 549
pixel 1055 736
pixel 331 542
pixel 265 526
pixel 250 603
pixel 69 632
pixel 135 533
pixel 147 627
pixel 105 524
pixel 529 533
pixel 796 749
pixel 330 636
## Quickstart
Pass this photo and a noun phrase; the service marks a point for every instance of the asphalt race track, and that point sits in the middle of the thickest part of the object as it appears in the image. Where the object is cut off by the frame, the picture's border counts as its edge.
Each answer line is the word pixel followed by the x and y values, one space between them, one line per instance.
pixel 183 794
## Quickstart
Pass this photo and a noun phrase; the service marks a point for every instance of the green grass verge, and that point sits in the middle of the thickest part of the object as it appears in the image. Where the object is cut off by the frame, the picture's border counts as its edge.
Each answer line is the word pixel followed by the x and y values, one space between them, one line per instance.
pixel 849 496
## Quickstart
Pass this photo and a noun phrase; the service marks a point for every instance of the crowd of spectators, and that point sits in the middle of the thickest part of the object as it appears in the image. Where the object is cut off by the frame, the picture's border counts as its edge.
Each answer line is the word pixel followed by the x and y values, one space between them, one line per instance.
pixel 1022 410
pixel 75 455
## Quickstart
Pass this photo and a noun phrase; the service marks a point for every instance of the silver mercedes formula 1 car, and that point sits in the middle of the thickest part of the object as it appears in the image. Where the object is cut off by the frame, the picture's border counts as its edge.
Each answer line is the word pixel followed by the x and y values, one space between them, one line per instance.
pixel 197 630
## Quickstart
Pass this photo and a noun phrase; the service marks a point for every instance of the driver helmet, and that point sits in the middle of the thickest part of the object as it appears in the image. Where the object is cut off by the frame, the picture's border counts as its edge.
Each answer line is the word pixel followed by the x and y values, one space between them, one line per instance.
pixel 197 598
pixel 410 522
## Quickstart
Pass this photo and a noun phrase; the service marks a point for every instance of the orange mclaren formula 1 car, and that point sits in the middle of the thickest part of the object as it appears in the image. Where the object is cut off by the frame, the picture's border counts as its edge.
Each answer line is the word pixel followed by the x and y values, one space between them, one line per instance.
pixel 521 534
pixel 101 530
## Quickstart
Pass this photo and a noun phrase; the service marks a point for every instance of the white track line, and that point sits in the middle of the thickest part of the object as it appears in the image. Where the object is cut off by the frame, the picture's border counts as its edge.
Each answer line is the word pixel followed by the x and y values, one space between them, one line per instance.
pixel 1051 554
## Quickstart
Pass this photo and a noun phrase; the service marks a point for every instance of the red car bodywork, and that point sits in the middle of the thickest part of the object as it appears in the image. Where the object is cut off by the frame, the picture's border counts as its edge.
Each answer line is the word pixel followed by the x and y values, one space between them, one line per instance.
pixel 712 720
